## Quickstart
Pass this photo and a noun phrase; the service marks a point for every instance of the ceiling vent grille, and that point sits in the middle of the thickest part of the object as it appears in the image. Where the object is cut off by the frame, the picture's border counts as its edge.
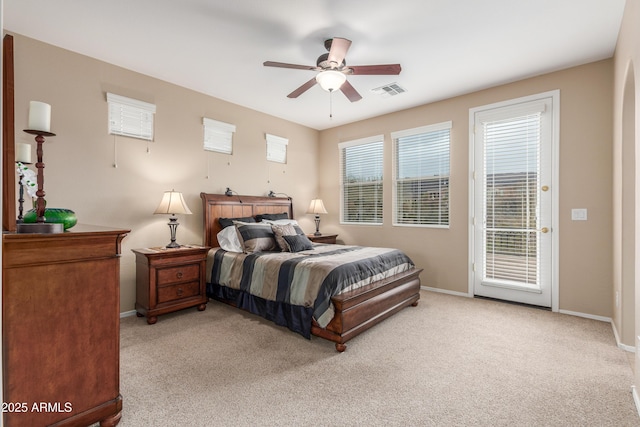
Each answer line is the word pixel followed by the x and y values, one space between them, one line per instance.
pixel 391 89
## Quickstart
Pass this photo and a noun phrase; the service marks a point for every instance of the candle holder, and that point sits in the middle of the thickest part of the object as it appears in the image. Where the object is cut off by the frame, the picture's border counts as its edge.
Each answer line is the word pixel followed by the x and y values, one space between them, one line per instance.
pixel 20 201
pixel 40 226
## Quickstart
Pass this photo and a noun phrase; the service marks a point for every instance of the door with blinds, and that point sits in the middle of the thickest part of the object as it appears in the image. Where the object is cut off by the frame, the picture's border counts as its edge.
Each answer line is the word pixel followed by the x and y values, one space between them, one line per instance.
pixel 512 218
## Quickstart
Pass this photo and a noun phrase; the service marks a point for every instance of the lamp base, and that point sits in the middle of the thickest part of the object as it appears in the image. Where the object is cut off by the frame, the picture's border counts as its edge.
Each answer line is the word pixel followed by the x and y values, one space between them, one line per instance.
pixel 40 227
pixel 173 225
pixel 317 220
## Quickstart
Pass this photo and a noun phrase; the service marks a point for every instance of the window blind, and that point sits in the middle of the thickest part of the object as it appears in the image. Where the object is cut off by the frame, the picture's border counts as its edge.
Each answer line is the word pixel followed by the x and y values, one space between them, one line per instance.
pixel 361 164
pixel 511 202
pixel 218 136
pixel 130 117
pixel 276 148
pixel 421 179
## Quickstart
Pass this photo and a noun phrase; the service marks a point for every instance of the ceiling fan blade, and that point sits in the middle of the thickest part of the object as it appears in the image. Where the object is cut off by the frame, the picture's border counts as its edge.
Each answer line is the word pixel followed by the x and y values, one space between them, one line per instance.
pixel 338 51
pixel 350 92
pixel 302 89
pixel 382 69
pixel 294 66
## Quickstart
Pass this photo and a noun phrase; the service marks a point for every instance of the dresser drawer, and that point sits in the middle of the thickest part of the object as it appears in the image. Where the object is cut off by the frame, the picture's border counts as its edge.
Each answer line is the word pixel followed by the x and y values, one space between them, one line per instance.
pixel 183 273
pixel 179 291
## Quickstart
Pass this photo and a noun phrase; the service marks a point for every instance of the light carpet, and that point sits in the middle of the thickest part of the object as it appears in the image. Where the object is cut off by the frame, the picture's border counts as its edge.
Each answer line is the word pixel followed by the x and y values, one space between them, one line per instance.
pixel 449 361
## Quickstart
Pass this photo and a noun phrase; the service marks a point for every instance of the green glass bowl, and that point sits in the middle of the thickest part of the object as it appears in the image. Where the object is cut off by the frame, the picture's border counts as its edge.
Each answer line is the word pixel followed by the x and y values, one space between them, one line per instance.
pixel 66 217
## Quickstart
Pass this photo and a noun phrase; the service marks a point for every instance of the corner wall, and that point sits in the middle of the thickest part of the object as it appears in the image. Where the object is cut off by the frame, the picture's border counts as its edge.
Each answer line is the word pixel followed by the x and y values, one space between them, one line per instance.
pixel 626 138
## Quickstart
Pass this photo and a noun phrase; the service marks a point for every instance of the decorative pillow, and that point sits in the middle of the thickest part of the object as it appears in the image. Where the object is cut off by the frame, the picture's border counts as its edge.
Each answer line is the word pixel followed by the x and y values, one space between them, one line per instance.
pixel 283 230
pixel 228 240
pixel 226 222
pixel 283 222
pixel 298 243
pixel 272 217
pixel 256 237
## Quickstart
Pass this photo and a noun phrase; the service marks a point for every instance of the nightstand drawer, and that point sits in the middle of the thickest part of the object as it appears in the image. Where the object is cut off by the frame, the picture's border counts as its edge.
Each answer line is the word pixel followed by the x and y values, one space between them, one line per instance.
pixel 183 273
pixel 179 291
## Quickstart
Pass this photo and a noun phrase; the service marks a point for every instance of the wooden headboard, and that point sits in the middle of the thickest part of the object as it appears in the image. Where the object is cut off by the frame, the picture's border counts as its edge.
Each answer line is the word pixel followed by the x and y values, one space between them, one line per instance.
pixel 216 206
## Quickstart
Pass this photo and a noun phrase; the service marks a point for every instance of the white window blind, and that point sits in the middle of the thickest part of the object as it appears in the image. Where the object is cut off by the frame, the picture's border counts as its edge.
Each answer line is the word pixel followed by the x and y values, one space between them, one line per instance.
pixel 511 202
pixel 276 148
pixel 218 136
pixel 421 179
pixel 130 117
pixel 361 168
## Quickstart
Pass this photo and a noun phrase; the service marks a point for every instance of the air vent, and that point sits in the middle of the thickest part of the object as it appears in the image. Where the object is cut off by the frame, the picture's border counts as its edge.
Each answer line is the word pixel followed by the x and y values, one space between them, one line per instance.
pixel 386 91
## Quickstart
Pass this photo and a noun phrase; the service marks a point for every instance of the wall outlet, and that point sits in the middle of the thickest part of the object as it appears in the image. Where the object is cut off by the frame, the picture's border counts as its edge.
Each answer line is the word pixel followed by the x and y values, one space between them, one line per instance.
pixel 578 214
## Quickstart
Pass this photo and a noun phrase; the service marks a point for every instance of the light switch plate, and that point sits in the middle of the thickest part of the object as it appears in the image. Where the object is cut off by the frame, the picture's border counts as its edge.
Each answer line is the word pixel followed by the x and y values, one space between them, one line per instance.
pixel 578 214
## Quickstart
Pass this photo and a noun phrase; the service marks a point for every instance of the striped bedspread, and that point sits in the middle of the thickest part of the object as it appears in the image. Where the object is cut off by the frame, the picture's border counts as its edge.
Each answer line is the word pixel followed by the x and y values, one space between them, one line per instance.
pixel 306 279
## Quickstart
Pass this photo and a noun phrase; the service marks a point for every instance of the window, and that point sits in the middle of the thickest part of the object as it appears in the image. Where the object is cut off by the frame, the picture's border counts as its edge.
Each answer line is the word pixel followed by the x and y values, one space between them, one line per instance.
pixel 130 117
pixel 218 136
pixel 277 148
pixel 421 175
pixel 361 165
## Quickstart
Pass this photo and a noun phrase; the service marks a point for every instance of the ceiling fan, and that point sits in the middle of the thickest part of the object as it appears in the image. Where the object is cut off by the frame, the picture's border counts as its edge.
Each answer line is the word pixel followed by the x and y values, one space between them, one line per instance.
pixel 333 70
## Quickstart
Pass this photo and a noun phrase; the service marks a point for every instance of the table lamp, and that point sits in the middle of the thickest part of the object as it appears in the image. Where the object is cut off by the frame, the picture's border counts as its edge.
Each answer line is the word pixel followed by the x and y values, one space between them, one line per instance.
pixel 317 207
pixel 173 203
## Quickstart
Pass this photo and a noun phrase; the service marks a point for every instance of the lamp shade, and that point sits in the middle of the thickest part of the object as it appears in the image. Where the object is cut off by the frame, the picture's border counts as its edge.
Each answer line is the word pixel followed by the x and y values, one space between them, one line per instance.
pixel 330 80
pixel 172 203
pixel 316 207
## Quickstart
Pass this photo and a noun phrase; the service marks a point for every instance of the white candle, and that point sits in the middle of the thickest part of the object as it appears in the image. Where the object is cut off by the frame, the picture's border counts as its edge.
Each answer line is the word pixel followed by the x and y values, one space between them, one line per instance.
pixel 39 116
pixel 23 152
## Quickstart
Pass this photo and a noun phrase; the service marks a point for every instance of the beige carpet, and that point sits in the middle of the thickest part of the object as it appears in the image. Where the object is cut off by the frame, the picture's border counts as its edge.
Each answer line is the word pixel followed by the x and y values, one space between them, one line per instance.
pixel 449 361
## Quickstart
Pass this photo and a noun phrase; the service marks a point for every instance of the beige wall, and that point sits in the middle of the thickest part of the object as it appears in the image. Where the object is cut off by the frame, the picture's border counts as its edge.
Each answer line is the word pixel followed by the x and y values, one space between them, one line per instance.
pixel 627 179
pixel 585 251
pixel 79 171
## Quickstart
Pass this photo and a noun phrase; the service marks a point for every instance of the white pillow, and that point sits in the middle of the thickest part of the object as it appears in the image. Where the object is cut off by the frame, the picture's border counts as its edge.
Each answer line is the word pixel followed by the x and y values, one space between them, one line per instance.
pixel 228 240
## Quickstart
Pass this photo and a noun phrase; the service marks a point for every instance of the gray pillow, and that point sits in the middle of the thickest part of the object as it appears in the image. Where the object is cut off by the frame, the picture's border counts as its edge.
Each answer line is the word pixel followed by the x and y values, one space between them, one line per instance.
pixel 298 243
pixel 256 237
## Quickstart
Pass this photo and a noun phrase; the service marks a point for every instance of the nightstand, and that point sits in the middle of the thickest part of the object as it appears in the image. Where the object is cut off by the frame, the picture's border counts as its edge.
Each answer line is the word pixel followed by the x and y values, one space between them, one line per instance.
pixel 168 280
pixel 323 238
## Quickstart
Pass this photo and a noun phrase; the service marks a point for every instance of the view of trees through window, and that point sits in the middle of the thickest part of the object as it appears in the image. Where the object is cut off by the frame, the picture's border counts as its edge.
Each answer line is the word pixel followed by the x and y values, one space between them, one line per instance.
pixel 422 175
pixel 362 166
pixel 423 201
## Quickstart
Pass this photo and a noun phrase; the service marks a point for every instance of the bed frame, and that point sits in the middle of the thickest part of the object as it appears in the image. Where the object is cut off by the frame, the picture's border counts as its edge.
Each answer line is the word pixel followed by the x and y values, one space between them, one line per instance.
pixel 355 311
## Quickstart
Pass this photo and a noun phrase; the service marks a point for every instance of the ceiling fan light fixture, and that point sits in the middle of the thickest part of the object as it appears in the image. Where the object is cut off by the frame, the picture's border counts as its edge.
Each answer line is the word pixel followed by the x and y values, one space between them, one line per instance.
pixel 330 80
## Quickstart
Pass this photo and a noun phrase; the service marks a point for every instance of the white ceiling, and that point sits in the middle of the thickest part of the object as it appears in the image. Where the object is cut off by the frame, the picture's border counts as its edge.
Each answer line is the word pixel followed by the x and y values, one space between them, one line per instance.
pixel 217 47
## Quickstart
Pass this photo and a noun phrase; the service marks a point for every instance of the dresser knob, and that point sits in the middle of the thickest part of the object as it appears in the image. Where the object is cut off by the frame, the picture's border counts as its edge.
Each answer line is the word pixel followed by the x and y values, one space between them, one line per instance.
pixel 179 274
pixel 179 291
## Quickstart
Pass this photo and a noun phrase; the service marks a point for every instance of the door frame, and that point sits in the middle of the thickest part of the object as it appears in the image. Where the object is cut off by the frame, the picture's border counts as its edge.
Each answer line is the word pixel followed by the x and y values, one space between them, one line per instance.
pixel 555 196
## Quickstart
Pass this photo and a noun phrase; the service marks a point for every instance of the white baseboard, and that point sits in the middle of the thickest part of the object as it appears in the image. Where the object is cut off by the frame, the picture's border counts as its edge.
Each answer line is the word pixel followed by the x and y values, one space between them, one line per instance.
pixel 636 398
pixel 625 347
pixel 127 313
pixel 445 291
pixel 585 315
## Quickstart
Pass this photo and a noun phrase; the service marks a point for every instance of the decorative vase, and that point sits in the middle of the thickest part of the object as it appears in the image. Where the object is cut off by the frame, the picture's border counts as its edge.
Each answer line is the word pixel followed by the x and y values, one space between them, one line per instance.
pixel 66 217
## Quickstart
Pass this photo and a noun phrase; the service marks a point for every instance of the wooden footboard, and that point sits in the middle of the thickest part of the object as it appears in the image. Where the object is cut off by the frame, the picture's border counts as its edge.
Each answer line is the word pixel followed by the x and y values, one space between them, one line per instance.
pixel 358 310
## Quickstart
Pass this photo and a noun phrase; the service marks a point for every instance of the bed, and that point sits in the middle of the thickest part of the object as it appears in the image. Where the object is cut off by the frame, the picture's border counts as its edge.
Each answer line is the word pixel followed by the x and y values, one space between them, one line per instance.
pixel 361 305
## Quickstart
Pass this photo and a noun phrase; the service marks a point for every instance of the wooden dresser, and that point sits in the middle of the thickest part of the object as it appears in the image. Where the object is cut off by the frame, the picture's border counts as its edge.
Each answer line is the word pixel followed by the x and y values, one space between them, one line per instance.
pixel 61 327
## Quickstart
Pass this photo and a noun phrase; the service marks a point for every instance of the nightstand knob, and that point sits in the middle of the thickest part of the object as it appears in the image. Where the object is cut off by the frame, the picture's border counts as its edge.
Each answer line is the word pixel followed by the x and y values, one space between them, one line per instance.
pixel 179 274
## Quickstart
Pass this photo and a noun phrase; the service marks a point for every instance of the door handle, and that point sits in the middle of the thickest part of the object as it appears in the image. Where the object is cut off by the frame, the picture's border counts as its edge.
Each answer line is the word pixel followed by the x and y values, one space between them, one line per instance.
pixel 544 230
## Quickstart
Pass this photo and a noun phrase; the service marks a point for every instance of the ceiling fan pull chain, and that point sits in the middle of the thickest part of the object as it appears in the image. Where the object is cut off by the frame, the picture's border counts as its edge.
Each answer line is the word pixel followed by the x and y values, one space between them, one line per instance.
pixel 330 104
